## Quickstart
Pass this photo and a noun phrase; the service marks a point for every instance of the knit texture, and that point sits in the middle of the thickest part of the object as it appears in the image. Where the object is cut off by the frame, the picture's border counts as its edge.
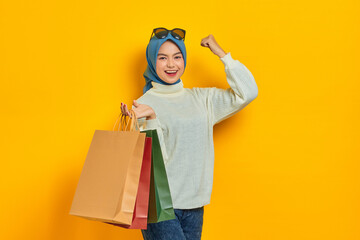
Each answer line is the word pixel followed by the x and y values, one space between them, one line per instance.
pixel 184 121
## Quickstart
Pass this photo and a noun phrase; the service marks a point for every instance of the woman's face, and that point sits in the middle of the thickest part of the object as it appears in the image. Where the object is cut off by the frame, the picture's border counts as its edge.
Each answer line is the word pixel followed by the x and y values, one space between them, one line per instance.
pixel 169 62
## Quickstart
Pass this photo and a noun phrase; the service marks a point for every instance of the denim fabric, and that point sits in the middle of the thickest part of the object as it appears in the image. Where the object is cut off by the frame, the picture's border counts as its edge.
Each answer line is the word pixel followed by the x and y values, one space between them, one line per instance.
pixel 186 226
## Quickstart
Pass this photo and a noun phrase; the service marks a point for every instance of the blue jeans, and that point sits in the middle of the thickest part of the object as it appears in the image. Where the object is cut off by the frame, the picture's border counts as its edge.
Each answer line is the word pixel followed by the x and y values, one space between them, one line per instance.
pixel 186 226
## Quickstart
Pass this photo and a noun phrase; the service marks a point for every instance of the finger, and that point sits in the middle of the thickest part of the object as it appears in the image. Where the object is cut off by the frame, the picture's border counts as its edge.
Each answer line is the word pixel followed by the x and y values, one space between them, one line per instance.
pixel 135 112
pixel 135 103
pixel 122 108
pixel 124 111
pixel 205 37
pixel 127 111
pixel 205 44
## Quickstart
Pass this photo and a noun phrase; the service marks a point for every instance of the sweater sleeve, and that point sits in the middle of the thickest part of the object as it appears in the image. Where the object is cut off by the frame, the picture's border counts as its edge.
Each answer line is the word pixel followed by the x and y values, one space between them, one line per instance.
pixel 222 103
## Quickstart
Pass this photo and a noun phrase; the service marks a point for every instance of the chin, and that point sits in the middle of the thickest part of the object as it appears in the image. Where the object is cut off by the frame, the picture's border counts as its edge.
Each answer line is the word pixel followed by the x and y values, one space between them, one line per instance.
pixel 170 81
pixel 167 80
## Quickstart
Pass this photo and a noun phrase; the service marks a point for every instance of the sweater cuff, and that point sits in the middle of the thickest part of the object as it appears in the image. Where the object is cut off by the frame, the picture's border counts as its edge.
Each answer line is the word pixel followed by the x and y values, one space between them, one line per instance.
pixel 152 123
pixel 227 60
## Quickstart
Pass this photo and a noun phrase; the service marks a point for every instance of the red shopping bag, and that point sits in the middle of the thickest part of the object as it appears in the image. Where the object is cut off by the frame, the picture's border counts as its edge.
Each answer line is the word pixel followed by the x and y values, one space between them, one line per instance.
pixel 142 199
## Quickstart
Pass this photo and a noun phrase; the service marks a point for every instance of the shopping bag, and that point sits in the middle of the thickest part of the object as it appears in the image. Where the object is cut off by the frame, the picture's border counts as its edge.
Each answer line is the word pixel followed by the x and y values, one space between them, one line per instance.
pixel 160 202
pixel 142 199
pixel 109 180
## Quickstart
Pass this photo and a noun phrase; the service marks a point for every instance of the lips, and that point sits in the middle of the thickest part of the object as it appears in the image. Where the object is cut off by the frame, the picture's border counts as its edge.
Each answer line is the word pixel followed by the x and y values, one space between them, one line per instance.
pixel 171 73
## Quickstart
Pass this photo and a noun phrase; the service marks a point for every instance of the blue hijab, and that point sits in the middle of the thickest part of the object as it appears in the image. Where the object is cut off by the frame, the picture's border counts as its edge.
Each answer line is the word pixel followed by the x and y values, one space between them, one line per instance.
pixel 152 50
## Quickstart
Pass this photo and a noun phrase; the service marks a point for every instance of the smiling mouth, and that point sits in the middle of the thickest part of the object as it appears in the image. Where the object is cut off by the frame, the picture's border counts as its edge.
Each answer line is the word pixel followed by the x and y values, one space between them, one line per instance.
pixel 171 73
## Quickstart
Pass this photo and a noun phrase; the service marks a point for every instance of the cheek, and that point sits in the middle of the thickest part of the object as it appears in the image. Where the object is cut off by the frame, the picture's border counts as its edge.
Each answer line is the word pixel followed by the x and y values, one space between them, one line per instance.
pixel 181 65
pixel 159 67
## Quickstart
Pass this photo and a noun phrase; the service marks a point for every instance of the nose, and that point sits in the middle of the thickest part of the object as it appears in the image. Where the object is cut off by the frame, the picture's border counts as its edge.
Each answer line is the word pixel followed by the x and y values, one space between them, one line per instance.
pixel 170 63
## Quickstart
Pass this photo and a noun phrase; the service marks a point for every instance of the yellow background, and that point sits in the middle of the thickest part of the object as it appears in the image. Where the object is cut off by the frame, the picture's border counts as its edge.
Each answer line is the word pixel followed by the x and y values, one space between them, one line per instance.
pixel 286 167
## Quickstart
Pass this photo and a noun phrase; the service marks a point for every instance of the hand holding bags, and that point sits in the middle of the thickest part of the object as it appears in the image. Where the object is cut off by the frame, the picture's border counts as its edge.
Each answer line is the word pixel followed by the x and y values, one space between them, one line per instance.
pixel 108 184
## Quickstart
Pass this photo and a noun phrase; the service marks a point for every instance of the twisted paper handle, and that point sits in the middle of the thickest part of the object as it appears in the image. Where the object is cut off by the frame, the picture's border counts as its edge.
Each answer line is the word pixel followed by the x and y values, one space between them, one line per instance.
pixel 124 122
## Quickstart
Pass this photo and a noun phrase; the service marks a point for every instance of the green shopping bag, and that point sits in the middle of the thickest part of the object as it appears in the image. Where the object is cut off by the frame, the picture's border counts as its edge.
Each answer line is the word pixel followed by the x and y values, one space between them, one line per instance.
pixel 160 202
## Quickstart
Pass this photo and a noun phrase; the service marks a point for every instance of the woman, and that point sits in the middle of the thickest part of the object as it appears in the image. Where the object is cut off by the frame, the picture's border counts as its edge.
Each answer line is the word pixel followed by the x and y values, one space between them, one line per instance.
pixel 184 119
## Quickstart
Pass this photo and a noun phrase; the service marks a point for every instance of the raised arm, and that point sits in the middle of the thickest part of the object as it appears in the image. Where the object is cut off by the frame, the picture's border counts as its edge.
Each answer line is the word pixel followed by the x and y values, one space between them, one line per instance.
pixel 242 91
pixel 223 103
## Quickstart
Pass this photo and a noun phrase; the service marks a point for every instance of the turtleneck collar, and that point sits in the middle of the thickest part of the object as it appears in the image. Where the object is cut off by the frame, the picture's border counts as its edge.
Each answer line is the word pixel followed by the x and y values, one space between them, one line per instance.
pixel 167 89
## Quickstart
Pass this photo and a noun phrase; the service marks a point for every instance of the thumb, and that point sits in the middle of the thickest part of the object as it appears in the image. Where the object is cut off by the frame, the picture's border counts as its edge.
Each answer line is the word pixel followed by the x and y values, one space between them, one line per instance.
pixel 135 103
pixel 204 43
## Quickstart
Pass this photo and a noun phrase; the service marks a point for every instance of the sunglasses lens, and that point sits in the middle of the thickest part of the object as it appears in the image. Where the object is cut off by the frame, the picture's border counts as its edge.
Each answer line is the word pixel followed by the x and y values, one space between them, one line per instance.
pixel 178 34
pixel 161 33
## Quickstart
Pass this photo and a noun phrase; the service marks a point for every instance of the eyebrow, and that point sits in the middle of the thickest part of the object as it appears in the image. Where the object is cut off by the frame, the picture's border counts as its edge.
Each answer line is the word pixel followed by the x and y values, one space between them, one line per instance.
pixel 166 55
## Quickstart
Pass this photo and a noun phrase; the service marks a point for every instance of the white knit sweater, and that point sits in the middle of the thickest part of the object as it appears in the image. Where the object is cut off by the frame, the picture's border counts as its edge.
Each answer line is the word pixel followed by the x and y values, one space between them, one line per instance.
pixel 184 121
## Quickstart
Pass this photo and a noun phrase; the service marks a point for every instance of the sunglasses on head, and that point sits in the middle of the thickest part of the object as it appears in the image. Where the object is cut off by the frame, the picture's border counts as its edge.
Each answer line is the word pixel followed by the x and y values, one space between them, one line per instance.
pixel 177 33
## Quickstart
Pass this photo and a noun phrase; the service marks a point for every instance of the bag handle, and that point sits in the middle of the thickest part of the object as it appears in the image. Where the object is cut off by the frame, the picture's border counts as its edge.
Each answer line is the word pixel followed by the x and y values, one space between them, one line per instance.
pixel 134 125
pixel 124 122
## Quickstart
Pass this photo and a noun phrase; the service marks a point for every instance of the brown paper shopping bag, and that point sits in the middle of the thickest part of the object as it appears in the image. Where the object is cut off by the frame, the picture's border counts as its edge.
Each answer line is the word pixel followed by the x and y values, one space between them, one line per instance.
pixel 109 180
pixel 142 199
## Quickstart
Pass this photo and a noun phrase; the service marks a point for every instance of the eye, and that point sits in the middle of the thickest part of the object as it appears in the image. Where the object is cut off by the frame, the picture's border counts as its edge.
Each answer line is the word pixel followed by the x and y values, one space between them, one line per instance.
pixel 178 57
pixel 162 58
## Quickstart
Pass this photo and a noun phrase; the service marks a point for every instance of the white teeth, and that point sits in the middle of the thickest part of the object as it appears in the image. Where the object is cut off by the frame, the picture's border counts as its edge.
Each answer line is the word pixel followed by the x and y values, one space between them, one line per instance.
pixel 170 71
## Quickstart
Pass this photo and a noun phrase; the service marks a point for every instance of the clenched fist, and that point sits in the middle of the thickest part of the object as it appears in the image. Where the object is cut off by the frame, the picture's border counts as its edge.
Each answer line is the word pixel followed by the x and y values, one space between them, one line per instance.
pixel 210 42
